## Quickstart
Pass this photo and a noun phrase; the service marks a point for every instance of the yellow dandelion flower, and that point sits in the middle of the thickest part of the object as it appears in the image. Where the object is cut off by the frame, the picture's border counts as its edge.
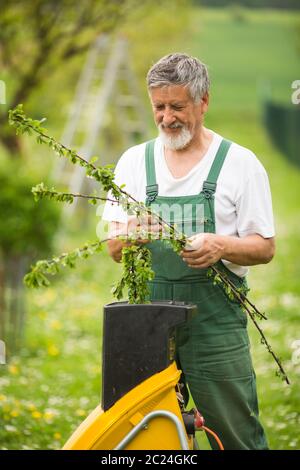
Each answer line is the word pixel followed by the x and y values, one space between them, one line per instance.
pixel 48 415
pixel 56 325
pixel 3 398
pixel 13 369
pixel 36 415
pixel 14 413
pixel 57 436
pixel 53 350
pixel 80 412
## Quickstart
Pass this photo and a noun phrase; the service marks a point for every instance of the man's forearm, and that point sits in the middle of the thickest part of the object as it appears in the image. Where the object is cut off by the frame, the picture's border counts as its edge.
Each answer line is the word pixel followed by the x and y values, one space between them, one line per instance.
pixel 247 251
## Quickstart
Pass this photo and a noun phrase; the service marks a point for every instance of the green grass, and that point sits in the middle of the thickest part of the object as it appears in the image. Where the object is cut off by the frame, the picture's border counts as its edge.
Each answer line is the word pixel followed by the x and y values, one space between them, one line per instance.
pixel 245 58
pixel 56 380
pixel 47 390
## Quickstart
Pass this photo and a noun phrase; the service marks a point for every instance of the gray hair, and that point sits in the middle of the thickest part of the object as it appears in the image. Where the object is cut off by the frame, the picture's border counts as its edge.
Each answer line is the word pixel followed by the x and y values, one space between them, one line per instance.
pixel 180 69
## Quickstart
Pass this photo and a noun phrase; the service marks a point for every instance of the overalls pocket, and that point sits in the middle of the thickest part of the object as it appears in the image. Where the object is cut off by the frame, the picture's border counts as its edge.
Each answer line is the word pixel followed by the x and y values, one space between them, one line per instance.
pixel 233 313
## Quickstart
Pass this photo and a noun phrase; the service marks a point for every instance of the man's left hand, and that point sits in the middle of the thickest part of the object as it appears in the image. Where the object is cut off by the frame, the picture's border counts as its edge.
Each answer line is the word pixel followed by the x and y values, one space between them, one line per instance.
pixel 209 248
pixel 209 252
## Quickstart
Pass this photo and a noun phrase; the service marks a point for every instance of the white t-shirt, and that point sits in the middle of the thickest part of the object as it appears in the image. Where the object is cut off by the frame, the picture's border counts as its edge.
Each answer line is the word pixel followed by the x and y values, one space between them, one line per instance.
pixel 243 204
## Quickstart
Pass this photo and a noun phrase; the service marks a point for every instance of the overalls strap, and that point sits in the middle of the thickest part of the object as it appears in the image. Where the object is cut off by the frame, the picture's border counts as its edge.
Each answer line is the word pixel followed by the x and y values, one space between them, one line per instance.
pixel 152 186
pixel 209 186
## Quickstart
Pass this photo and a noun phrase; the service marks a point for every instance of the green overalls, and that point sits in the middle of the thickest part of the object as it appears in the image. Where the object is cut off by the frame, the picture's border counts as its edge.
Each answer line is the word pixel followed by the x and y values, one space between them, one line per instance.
pixel 213 349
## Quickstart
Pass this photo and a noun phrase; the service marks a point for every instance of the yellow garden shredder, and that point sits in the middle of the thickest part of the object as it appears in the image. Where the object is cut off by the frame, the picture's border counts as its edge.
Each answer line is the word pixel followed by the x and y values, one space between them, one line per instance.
pixel 142 405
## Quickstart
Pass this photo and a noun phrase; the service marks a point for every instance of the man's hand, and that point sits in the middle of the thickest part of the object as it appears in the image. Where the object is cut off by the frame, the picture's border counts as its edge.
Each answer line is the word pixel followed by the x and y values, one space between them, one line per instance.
pixel 140 226
pixel 246 251
pixel 135 227
pixel 209 249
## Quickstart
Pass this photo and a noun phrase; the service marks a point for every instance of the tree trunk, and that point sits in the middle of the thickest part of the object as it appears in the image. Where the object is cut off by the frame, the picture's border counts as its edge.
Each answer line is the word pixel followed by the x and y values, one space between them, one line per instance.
pixel 12 144
pixel 13 304
pixel 8 138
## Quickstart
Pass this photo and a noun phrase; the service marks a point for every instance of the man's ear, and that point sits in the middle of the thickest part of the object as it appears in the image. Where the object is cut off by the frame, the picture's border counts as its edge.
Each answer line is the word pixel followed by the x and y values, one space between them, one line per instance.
pixel 205 102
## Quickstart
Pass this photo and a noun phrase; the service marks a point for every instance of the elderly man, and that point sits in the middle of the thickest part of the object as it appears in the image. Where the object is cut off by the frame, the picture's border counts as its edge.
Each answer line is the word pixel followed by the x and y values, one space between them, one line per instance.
pixel 223 195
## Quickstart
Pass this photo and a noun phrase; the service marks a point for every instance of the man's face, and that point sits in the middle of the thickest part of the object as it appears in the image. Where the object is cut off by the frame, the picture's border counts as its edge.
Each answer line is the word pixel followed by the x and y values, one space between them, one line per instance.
pixel 176 115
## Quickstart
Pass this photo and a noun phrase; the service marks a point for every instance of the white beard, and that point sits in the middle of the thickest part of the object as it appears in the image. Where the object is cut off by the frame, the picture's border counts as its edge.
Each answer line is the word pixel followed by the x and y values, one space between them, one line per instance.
pixel 175 142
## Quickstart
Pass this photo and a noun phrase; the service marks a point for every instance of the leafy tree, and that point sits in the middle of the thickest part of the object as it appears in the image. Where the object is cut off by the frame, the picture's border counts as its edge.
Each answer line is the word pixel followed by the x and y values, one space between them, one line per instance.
pixel 41 44
pixel 37 38
pixel 47 34
pixel 26 231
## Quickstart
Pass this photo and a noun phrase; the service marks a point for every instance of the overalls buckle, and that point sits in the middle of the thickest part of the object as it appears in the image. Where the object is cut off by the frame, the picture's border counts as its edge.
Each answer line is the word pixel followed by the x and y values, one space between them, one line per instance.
pixel 208 189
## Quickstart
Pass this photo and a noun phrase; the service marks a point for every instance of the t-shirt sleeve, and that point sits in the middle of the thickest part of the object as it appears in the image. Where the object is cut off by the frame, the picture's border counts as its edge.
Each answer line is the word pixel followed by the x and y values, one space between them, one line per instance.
pixel 254 206
pixel 113 212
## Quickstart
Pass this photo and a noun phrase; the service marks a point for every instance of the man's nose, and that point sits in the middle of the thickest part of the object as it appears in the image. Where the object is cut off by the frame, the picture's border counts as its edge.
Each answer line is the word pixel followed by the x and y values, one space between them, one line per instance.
pixel 168 117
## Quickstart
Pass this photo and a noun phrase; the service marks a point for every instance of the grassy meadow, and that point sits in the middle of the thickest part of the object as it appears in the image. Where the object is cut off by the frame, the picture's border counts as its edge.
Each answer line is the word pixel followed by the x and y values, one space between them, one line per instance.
pixel 55 381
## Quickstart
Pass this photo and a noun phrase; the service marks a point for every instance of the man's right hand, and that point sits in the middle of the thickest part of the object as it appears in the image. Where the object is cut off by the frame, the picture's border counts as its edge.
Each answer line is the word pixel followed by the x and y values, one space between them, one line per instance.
pixel 134 226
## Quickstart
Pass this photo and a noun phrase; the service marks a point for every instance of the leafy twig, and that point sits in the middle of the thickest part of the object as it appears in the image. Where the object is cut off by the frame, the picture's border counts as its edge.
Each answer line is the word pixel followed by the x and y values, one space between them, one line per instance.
pixel 137 273
pixel 37 276
pixel 281 372
pixel 136 259
pixel 233 291
pixel 103 175
pixel 41 191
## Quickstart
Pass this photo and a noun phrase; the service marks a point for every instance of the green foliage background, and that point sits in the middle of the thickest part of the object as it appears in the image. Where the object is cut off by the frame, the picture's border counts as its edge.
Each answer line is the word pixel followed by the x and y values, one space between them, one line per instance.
pixel 286 4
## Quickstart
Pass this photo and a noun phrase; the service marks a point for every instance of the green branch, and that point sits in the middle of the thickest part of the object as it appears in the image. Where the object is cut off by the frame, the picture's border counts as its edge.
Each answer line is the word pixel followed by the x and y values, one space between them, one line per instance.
pixel 40 191
pixel 280 372
pixel 233 292
pixel 136 274
pixel 25 125
pixel 136 259
pixel 103 175
pixel 239 294
pixel 37 276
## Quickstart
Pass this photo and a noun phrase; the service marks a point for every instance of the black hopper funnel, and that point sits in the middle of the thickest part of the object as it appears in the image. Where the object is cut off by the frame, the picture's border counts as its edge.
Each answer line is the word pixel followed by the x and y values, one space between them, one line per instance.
pixel 138 341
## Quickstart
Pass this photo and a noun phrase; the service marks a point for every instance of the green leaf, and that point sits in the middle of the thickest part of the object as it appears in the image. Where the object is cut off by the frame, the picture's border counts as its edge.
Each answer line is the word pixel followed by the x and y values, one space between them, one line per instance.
pixel 92 201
